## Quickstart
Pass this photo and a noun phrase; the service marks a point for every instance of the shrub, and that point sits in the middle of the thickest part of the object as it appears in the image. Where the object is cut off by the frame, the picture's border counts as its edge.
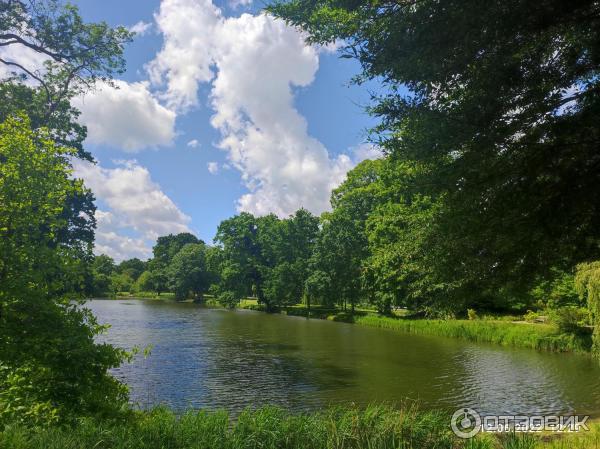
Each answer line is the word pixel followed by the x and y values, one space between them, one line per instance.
pixel 569 319
pixel 472 314
pixel 531 316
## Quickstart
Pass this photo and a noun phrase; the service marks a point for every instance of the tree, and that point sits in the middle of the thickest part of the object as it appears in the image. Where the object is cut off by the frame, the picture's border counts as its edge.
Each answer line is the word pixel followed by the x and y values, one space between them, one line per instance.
pixel 77 54
pixel 587 284
pixel 266 257
pixel 132 267
pixel 99 277
pixel 144 282
pixel 240 274
pixel 167 246
pixel 300 235
pixel 121 282
pixel 187 272
pixel 51 368
pixel 496 109
pixel 342 246
pixel 104 264
pixel 158 280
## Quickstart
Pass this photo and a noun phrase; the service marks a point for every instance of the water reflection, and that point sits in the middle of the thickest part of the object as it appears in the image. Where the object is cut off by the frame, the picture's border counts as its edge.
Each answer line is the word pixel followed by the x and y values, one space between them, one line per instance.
pixel 210 358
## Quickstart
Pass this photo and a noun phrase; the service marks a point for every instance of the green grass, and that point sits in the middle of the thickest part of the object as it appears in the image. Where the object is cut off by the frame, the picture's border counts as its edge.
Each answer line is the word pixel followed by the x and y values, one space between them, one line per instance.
pixel 145 295
pixel 267 428
pixel 375 427
pixel 534 336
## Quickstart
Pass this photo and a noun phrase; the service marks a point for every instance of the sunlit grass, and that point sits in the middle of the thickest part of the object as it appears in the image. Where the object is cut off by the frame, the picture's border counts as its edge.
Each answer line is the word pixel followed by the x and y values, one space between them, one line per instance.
pixel 375 427
pixel 534 336
pixel 267 428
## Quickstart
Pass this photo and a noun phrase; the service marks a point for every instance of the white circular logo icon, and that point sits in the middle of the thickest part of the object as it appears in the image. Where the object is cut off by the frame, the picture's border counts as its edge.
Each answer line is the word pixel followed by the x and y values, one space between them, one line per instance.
pixel 466 423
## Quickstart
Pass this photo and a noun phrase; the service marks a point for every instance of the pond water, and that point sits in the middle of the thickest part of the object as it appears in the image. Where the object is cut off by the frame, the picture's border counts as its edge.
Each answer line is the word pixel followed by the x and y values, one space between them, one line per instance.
pixel 213 358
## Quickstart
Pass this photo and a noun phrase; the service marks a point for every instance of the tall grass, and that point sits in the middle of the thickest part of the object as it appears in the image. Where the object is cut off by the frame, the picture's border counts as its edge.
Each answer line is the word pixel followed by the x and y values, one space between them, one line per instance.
pixel 267 428
pixel 376 427
pixel 534 336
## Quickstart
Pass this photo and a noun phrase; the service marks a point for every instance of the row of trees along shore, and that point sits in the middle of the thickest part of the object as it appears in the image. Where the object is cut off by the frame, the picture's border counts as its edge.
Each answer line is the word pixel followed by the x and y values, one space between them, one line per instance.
pixel 486 197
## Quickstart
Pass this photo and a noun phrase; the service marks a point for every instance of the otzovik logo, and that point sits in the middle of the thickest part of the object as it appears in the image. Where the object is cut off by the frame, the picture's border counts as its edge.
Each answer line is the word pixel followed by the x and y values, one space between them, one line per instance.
pixel 466 423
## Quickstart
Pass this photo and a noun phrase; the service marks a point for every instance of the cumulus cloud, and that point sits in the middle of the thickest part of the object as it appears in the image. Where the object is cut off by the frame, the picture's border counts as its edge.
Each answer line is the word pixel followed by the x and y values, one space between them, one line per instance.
pixel 24 56
pixel 213 168
pixel 185 60
pixel 238 3
pixel 141 28
pixel 128 117
pixel 136 203
pixel 253 63
pixel 366 151
pixel 193 143
pixel 109 241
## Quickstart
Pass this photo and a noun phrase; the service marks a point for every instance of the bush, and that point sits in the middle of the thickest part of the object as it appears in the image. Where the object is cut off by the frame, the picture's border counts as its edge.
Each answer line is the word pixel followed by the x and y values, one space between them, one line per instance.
pixel 472 314
pixel 569 319
pixel 228 299
pixel 531 316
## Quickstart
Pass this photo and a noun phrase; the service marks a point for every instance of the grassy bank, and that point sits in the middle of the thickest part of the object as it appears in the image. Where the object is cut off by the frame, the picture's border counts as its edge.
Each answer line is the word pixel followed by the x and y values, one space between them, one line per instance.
pixel 145 295
pixel 534 336
pixel 270 428
pixel 543 337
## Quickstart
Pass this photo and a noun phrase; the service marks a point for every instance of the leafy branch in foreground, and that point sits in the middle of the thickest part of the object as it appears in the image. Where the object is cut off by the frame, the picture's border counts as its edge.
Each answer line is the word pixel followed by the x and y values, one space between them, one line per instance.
pixel 51 369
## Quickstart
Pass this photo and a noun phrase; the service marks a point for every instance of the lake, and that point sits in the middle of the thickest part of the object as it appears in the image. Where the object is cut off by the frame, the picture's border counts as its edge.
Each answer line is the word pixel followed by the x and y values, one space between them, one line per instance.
pixel 214 358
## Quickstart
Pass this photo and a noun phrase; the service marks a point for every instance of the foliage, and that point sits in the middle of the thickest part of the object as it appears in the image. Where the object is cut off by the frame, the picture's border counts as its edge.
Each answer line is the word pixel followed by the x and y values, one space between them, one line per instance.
pixel 495 113
pixel 168 246
pixel 472 314
pixel 266 257
pixel 77 54
pixel 187 271
pixel 51 369
pixel 556 291
pixel 121 282
pixel 132 268
pixel 587 283
pixel 569 319
pixel 143 282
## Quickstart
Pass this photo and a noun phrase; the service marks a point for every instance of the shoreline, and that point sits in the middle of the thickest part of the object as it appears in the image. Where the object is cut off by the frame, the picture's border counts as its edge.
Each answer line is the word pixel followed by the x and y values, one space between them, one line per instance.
pixel 540 337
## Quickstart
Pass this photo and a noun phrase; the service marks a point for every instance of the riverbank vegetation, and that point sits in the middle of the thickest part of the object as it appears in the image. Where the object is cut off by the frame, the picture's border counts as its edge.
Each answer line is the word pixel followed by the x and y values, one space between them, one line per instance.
pixel 376 427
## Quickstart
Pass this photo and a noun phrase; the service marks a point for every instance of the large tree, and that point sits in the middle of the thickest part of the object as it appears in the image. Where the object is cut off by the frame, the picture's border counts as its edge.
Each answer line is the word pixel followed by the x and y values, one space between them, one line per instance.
pixel 50 366
pixel 497 104
pixel 187 272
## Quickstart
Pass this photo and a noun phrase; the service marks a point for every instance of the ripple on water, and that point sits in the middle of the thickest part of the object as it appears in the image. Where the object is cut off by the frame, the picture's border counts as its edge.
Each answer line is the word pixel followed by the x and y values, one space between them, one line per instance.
pixel 207 358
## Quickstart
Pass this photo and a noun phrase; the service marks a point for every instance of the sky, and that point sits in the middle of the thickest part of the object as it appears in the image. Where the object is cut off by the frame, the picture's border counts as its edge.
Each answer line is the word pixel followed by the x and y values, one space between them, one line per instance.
pixel 222 109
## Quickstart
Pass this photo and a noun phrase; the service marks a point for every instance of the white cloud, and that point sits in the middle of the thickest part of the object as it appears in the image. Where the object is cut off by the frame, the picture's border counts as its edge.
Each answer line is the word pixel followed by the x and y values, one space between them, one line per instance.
pixel 136 203
pixel 256 60
pixel 110 242
pixel 193 143
pixel 188 27
pixel 140 28
pixel 24 56
pixel 128 117
pixel 366 151
pixel 213 168
pixel 237 3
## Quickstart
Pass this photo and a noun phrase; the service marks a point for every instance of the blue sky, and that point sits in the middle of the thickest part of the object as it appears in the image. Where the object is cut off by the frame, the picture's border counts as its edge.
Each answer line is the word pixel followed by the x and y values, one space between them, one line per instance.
pixel 220 110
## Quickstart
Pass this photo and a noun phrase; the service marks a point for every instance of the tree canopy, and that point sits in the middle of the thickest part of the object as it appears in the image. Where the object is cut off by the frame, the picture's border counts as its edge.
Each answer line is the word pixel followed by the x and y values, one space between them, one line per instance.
pixel 494 107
